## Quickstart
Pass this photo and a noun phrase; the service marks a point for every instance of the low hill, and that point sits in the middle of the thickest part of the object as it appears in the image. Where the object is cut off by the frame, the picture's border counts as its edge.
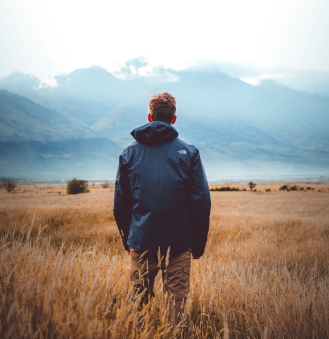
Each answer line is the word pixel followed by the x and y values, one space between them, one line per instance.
pixel 23 119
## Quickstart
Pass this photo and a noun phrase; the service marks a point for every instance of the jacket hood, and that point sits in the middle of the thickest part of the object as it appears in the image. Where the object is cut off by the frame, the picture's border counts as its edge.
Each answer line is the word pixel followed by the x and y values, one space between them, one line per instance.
pixel 156 132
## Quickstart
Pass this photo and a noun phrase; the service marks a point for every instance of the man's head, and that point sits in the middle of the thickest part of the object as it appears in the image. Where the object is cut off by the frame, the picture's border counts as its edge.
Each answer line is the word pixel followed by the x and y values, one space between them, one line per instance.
pixel 162 107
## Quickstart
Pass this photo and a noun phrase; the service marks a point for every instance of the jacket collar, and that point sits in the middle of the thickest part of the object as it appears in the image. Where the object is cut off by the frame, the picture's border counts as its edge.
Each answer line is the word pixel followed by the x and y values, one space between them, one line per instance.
pixel 156 132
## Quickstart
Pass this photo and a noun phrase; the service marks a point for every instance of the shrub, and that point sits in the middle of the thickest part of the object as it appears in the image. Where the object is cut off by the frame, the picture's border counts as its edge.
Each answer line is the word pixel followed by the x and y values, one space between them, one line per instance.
pixel 8 183
pixel 224 189
pixel 106 184
pixel 76 186
pixel 292 188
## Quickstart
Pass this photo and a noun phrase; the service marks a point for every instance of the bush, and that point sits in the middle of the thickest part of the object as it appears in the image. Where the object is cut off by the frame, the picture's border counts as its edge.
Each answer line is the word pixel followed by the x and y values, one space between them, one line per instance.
pixel 225 189
pixel 106 184
pixel 76 186
pixel 292 188
pixel 8 183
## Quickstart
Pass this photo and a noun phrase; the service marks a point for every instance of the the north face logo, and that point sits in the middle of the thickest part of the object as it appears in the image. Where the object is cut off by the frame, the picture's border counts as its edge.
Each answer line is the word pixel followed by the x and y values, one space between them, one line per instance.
pixel 182 151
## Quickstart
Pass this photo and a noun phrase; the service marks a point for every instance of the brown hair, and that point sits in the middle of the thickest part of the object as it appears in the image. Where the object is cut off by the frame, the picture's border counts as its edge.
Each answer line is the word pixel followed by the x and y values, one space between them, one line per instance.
pixel 162 107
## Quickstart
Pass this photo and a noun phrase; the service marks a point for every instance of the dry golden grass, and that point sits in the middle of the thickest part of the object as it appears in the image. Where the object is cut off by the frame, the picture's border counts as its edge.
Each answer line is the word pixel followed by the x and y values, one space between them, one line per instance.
pixel 264 274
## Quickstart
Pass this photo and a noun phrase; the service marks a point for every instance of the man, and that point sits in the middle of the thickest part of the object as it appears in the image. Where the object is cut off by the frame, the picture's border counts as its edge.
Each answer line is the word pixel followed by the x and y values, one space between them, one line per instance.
pixel 162 205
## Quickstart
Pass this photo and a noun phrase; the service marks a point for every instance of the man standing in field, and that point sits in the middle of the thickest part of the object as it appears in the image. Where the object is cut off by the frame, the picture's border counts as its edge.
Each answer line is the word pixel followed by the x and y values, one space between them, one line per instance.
pixel 162 205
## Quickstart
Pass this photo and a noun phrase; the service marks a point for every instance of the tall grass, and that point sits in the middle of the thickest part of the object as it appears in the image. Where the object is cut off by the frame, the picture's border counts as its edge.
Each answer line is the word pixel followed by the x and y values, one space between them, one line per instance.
pixel 64 274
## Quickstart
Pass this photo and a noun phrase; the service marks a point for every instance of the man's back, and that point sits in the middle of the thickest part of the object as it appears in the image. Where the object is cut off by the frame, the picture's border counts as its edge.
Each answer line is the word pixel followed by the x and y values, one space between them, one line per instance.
pixel 162 186
pixel 161 202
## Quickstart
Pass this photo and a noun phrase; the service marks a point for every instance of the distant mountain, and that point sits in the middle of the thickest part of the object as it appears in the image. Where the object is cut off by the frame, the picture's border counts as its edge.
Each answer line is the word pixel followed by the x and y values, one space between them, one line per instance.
pixel 287 116
pixel 96 98
pixel 20 83
pixel 193 127
pixel 239 128
pixel 84 95
pixel 22 119
pixel 217 109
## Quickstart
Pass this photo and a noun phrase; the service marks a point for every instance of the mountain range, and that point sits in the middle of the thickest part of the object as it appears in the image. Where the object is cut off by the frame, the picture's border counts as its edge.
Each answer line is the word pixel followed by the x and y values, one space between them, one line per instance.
pixel 241 130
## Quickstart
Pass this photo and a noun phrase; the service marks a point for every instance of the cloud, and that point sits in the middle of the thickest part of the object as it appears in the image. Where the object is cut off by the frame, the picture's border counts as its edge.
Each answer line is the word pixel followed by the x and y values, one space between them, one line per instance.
pixel 141 67
pixel 50 82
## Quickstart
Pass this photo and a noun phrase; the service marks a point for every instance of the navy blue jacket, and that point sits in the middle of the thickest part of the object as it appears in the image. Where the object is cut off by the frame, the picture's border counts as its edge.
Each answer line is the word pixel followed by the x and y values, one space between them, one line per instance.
pixel 161 193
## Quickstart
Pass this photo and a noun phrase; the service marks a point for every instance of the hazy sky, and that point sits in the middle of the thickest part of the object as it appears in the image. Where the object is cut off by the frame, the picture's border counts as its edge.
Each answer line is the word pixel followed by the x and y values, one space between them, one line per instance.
pixel 44 37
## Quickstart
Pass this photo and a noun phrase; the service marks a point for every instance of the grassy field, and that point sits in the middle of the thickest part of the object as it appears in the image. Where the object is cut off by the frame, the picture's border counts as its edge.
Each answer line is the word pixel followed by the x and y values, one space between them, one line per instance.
pixel 264 274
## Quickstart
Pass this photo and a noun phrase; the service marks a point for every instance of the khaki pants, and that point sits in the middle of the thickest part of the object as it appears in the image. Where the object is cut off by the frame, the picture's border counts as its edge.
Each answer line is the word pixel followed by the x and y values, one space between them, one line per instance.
pixel 175 276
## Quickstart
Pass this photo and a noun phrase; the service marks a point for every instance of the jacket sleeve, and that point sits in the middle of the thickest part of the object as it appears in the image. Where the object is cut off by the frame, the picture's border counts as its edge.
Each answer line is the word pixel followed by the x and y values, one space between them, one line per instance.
pixel 199 205
pixel 122 201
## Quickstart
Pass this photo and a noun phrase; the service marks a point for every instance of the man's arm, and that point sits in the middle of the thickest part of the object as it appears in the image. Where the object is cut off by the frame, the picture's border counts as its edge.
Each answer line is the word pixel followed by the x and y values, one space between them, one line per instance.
pixel 122 202
pixel 199 202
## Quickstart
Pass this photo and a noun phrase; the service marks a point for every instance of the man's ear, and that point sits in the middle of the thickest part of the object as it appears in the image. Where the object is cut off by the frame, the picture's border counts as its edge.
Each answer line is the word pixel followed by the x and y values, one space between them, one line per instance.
pixel 173 119
pixel 149 118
